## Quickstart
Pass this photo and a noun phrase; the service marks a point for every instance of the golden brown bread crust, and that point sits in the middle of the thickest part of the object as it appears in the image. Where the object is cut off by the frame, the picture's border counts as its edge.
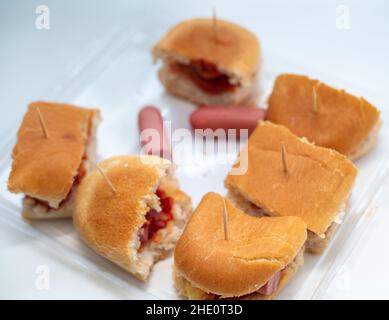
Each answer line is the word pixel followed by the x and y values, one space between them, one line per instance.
pixel 256 249
pixel 45 168
pixel 186 289
pixel 342 121
pixel 315 244
pixel 235 53
pixel 110 222
pixel 318 182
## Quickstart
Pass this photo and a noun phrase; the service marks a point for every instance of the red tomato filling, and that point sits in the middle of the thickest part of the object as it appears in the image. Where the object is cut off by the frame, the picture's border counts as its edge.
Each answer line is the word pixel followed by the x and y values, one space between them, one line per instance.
pixel 205 75
pixel 156 220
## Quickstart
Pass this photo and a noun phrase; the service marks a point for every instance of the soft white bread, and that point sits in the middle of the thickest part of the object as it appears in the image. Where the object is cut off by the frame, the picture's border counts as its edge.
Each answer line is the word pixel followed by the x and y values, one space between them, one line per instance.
pixel 233 51
pixel 317 244
pixel 315 188
pixel 257 248
pixel 110 222
pixel 45 168
pixel 339 120
pixel 181 86
pixel 33 209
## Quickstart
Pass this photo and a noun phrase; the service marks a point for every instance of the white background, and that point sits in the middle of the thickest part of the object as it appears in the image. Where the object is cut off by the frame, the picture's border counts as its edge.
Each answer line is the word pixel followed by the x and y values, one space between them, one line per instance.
pixel 32 60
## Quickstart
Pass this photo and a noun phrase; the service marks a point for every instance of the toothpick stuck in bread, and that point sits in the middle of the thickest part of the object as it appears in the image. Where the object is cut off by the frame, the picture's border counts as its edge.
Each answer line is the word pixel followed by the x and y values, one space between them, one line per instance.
pixel 214 24
pixel 314 94
pixel 283 156
pixel 43 123
pixel 109 183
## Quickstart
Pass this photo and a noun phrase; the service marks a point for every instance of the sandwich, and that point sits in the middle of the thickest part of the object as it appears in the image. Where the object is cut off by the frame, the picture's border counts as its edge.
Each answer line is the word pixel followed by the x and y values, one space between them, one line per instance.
pixel 256 261
pixel 289 176
pixel 54 151
pixel 133 213
pixel 326 116
pixel 210 62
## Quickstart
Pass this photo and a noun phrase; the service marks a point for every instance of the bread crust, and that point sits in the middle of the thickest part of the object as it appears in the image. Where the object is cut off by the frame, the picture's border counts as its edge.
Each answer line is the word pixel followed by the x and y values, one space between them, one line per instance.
pixel 342 121
pixel 45 168
pixel 186 289
pixel 316 186
pixel 315 244
pixel 367 144
pixel 257 248
pixel 235 52
pixel 109 222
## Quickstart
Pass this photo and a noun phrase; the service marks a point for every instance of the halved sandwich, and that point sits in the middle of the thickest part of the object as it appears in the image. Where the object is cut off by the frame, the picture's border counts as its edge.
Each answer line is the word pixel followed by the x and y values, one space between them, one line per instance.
pixel 325 116
pixel 210 63
pixel 48 169
pixel 138 222
pixel 316 186
pixel 256 261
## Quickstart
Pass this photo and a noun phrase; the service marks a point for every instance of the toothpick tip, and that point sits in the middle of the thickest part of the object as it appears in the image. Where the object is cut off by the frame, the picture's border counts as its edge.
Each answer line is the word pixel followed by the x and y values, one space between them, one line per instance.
pixel 214 24
pixel 42 123
pixel 284 156
pixel 109 183
pixel 314 96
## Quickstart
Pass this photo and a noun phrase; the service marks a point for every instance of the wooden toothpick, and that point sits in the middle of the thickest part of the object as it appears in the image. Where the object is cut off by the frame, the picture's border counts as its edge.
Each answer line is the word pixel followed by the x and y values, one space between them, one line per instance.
pixel 109 183
pixel 43 123
pixel 225 220
pixel 214 24
pixel 314 95
pixel 283 156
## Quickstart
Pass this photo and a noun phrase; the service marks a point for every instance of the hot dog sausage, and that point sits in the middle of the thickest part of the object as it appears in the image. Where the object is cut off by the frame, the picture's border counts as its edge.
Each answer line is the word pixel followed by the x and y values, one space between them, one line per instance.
pixel 153 136
pixel 271 286
pixel 230 117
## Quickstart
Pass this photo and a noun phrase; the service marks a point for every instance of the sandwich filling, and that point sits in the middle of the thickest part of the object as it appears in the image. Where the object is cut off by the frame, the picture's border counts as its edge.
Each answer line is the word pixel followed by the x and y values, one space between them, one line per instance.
pixel 156 220
pixel 205 75
pixel 167 211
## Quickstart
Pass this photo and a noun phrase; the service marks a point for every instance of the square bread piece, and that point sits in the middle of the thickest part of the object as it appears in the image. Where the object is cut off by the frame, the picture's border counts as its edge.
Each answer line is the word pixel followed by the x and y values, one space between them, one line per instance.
pixel 48 169
pixel 325 116
pixel 260 256
pixel 316 186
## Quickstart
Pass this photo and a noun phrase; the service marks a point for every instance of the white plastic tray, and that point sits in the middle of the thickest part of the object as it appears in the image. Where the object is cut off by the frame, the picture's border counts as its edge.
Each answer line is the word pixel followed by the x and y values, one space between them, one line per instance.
pixel 116 74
